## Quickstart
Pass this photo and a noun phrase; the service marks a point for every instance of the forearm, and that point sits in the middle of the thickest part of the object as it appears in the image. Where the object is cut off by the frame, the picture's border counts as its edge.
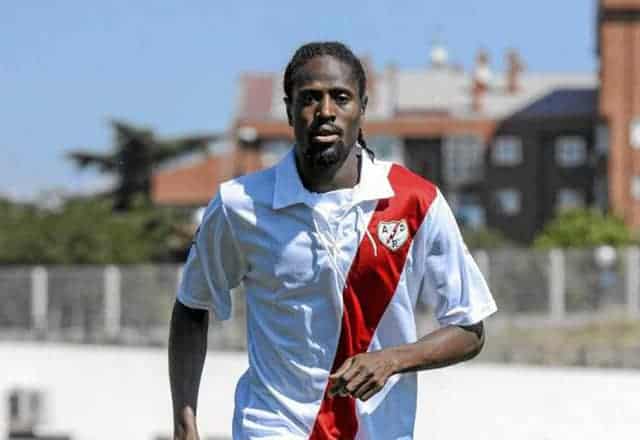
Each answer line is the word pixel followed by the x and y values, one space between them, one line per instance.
pixel 187 351
pixel 444 346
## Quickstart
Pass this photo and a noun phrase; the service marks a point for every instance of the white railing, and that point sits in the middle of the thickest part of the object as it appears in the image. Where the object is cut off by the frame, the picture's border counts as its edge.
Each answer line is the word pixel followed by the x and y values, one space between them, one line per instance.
pixel 133 303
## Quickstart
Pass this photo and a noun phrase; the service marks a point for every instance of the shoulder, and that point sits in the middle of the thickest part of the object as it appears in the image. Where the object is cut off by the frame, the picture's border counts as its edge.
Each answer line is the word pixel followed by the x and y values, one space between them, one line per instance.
pixel 410 186
pixel 249 190
pixel 408 181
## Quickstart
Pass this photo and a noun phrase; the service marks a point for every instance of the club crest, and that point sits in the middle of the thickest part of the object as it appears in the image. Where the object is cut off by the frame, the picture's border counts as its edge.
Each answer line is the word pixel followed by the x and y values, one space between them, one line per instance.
pixel 393 234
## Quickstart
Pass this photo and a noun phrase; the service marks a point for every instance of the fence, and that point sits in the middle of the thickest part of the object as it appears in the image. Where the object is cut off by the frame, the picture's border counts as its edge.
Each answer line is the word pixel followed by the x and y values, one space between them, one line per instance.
pixel 81 303
pixel 132 304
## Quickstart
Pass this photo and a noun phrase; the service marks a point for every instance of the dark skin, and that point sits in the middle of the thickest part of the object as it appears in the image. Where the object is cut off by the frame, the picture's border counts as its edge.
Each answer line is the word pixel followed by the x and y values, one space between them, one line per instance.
pixel 325 111
pixel 187 351
pixel 365 374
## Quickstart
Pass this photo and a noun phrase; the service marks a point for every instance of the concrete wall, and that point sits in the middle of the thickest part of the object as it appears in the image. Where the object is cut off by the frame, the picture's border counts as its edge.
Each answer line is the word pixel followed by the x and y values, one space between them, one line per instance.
pixel 100 393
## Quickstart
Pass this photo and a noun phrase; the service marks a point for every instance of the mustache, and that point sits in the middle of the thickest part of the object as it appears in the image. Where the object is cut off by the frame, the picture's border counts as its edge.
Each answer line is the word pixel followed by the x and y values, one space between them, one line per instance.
pixel 325 128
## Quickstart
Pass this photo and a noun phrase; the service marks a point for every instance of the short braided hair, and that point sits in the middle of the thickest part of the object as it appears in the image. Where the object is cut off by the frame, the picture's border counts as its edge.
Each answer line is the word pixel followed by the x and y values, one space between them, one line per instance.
pixel 337 50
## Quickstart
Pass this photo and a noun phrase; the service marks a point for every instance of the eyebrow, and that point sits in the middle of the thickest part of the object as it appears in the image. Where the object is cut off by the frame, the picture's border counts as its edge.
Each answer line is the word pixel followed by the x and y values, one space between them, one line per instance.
pixel 306 78
pixel 332 89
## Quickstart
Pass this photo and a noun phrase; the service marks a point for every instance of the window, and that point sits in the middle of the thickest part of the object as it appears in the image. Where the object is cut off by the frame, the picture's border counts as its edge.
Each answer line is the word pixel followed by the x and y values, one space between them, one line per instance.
pixel 386 147
pixel 569 198
pixel 463 159
pixel 635 187
pixel 634 133
pixel 571 151
pixel 602 139
pixel 508 201
pixel 468 209
pixel 14 406
pixel 507 151
pixel 601 192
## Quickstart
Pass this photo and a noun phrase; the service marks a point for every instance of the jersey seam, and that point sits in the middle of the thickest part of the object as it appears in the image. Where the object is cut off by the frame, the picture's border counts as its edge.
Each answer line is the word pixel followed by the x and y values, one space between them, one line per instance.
pixel 478 314
pixel 234 239
pixel 431 237
pixel 185 300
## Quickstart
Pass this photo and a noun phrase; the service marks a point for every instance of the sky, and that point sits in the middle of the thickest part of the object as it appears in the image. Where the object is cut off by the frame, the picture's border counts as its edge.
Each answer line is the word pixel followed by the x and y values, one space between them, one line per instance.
pixel 69 67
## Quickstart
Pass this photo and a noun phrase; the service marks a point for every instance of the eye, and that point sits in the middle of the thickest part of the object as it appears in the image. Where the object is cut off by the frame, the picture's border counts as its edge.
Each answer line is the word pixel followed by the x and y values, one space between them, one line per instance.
pixel 306 98
pixel 342 99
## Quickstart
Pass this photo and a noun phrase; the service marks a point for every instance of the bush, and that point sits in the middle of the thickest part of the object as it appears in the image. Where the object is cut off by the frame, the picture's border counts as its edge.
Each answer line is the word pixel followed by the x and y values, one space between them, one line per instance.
pixel 84 232
pixel 485 238
pixel 584 228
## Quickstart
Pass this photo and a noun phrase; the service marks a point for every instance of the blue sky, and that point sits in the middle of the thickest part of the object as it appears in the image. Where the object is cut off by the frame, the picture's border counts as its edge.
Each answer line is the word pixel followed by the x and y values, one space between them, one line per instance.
pixel 67 67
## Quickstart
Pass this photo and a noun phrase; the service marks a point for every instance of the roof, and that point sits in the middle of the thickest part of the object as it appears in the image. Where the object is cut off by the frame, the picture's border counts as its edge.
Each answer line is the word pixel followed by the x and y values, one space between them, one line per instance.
pixel 196 182
pixel 562 102
pixel 435 91
pixel 192 184
pixel 261 96
pixel 620 4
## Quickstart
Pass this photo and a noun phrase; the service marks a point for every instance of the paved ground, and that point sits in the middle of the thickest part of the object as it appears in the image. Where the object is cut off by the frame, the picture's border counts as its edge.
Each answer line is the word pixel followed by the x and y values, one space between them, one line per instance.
pixel 96 393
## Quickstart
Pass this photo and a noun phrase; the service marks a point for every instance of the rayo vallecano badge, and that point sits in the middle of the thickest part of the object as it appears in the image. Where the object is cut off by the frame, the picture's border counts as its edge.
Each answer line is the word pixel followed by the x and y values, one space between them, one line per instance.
pixel 393 234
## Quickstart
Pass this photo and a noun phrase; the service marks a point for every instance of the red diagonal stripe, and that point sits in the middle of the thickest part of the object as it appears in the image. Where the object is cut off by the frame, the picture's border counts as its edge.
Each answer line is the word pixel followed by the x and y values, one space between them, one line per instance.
pixel 370 286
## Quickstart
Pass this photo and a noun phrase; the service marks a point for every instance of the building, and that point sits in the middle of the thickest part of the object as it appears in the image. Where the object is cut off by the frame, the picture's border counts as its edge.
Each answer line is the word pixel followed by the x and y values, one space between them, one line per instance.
pixel 619 102
pixel 509 149
pixel 191 181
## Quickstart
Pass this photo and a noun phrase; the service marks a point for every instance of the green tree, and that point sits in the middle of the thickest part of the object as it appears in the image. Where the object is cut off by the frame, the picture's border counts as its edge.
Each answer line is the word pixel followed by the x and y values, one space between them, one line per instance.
pixel 584 228
pixel 136 153
pixel 485 238
pixel 88 232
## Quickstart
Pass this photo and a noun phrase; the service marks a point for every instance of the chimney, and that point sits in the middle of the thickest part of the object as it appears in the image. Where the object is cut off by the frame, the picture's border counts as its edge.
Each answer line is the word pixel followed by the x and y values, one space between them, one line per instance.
pixel 438 56
pixel 390 103
pixel 481 80
pixel 248 154
pixel 514 68
pixel 370 73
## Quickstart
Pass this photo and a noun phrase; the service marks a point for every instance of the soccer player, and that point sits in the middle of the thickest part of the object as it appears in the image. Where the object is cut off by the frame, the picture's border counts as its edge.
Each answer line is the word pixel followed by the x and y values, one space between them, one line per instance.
pixel 335 248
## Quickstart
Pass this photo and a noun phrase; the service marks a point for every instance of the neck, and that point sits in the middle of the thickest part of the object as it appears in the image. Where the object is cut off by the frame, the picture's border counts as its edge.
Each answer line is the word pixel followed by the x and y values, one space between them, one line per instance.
pixel 344 174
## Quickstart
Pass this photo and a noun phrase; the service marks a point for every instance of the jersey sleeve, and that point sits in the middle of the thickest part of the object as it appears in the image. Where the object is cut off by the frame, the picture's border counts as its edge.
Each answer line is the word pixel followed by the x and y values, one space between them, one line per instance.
pixel 214 265
pixel 453 285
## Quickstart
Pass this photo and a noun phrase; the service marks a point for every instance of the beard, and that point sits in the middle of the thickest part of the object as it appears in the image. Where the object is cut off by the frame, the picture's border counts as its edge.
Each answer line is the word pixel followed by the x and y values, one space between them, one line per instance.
pixel 323 156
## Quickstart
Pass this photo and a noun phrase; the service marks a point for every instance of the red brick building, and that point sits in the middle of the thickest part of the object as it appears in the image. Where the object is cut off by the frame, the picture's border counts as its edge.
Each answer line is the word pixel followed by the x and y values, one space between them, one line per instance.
pixel 619 101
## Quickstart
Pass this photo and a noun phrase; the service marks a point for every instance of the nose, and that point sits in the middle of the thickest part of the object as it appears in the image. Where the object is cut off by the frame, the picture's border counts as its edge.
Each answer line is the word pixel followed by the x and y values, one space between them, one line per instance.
pixel 326 108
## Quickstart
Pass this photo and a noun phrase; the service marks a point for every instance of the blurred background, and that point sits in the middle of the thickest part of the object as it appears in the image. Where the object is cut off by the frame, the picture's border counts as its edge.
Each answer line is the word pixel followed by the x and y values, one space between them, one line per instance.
pixel 121 119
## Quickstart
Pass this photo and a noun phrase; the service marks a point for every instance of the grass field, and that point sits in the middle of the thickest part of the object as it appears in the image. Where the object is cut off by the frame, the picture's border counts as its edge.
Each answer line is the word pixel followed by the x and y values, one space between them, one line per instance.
pixel 96 393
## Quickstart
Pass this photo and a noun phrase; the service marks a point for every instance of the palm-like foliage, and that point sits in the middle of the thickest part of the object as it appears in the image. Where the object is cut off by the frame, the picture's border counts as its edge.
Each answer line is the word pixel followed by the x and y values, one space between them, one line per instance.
pixel 136 153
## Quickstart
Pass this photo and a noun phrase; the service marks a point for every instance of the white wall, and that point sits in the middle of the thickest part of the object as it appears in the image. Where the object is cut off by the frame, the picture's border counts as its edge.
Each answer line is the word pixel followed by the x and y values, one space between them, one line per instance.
pixel 97 393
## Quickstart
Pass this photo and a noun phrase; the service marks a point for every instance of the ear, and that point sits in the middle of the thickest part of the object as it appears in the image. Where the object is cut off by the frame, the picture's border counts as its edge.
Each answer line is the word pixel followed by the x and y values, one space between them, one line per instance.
pixel 288 104
pixel 363 105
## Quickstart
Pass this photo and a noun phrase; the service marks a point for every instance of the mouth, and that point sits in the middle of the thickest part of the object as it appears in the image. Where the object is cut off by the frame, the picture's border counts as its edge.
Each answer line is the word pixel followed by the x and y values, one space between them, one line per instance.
pixel 325 136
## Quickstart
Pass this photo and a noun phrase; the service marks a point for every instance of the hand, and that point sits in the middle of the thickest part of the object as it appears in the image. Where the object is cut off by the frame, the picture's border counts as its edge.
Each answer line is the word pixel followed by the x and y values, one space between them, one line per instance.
pixel 185 426
pixel 363 375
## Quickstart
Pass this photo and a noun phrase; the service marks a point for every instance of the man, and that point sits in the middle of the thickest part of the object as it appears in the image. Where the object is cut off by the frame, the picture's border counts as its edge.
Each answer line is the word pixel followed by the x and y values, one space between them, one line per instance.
pixel 335 249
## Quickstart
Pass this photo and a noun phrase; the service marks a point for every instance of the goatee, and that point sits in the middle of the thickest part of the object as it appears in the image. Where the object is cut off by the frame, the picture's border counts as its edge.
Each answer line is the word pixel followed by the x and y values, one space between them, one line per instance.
pixel 319 156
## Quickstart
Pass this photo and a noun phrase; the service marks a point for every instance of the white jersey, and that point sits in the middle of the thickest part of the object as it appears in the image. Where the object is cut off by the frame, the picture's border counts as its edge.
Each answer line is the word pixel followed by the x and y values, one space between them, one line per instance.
pixel 327 276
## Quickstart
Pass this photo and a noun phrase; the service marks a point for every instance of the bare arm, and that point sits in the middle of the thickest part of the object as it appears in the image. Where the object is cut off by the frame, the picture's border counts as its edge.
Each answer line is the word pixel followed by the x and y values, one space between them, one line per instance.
pixel 363 375
pixel 444 346
pixel 187 351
